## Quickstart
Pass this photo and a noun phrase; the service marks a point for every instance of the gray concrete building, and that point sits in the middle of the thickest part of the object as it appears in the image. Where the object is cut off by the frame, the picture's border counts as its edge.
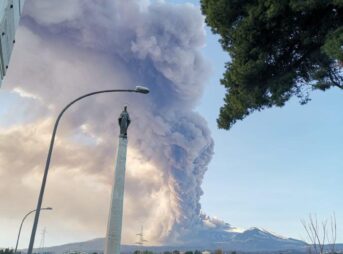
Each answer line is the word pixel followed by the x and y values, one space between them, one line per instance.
pixel 10 12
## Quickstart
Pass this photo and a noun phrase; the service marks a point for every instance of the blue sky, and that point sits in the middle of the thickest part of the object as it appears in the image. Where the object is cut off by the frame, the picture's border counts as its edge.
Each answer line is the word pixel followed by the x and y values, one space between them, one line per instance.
pixel 277 166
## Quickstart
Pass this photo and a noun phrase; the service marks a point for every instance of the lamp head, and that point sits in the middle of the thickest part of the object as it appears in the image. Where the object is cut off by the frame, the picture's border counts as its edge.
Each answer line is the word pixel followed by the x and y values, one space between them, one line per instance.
pixel 142 89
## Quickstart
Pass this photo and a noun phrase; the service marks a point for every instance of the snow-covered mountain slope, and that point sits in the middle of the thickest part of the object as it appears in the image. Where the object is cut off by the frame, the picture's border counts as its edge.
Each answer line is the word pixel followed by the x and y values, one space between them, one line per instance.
pixel 256 239
pixel 226 238
pixel 215 233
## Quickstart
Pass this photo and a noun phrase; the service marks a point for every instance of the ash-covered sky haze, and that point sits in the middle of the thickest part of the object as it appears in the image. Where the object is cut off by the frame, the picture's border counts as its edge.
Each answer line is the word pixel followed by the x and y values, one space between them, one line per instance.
pixel 101 45
pixel 270 170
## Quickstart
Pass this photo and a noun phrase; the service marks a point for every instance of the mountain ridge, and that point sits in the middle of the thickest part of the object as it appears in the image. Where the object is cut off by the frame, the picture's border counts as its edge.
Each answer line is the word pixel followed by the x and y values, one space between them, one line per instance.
pixel 250 240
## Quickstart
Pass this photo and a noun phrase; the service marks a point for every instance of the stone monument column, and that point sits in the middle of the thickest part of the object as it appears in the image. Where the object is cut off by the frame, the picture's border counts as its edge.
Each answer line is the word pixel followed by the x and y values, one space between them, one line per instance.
pixel 114 225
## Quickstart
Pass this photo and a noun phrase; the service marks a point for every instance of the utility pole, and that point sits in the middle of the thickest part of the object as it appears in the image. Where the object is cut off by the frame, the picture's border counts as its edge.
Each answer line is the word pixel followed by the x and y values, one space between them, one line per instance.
pixel 42 242
pixel 141 239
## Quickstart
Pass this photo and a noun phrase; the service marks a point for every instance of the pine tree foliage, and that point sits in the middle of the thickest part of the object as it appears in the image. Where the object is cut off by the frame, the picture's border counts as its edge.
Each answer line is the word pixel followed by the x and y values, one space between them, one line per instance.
pixel 278 49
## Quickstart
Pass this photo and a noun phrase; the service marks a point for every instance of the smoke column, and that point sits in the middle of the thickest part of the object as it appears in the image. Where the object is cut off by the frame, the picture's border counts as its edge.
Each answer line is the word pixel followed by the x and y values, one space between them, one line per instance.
pixel 69 47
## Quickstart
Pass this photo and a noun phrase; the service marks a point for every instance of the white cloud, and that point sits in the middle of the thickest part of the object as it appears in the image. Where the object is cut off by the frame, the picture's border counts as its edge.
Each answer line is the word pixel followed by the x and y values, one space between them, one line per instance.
pixel 25 94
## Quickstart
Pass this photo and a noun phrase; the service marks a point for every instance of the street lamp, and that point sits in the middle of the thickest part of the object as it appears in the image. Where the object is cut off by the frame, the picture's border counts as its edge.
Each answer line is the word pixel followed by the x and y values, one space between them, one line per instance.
pixel 142 89
pixel 138 89
pixel 21 224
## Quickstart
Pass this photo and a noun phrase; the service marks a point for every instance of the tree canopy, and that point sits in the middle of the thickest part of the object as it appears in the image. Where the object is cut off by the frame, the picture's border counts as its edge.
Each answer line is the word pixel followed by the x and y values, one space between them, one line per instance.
pixel 278 49
pixel 6 251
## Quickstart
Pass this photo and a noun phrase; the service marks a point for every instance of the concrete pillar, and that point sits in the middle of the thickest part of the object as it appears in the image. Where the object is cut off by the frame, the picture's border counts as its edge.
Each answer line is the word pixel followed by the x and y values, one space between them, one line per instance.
pixel 114 226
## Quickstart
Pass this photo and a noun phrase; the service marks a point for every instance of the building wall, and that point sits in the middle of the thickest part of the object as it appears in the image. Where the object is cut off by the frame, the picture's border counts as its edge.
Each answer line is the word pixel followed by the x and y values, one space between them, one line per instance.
pixel 10 12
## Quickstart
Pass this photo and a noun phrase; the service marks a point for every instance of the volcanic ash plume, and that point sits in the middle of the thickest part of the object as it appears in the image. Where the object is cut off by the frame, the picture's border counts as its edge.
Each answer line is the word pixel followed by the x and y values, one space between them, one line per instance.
pixel 76 47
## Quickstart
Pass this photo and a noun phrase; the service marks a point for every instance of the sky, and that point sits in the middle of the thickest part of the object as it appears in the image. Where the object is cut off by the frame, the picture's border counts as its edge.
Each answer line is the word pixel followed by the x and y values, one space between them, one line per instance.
pixel 277 166
pixel 270 170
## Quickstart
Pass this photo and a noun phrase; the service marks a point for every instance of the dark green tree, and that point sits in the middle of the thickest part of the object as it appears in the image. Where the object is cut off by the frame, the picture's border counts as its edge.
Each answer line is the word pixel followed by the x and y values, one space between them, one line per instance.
pixel 278 49
pixel 147 252
pixel 6 251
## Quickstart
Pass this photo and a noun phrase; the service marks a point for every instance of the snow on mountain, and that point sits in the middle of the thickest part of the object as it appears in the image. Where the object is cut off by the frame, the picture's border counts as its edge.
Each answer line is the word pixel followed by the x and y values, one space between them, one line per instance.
pixel 216 233
pixel 255 239
pixel 213 234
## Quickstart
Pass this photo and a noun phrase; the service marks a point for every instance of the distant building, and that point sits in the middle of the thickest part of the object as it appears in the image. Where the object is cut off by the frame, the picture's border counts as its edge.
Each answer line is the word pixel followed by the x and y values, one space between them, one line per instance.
pixel 10 12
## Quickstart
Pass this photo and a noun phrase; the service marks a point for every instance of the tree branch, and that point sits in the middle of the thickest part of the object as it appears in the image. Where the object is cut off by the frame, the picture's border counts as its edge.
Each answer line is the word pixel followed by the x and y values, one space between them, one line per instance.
pixel 332 79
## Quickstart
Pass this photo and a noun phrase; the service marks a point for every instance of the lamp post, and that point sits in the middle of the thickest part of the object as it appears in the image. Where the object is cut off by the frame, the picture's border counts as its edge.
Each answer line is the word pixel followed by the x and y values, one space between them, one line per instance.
pixel 21 224
pixel 138 89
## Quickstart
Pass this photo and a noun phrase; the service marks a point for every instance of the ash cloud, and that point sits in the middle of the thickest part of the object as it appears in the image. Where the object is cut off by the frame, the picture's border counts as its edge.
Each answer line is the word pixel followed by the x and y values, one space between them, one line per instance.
pixel 70 47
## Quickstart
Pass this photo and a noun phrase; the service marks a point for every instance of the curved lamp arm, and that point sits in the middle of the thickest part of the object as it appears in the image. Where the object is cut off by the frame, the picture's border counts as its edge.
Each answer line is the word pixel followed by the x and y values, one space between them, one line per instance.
pixel 138 89
pixel 21 225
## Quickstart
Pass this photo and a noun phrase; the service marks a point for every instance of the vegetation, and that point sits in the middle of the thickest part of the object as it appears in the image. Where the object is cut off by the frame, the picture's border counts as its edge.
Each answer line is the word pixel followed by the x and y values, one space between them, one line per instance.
pixel 278 48
pixel 321 236
pixel 6 251
pixel 143 252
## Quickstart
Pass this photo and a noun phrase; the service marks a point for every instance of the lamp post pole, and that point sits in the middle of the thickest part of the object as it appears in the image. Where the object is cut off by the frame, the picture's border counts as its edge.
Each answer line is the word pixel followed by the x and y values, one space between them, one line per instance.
pixel 139 89
pixel 21 224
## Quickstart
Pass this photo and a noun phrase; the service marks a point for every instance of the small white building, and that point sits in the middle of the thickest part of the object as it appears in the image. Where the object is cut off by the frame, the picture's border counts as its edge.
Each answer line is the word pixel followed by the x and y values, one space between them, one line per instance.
pixel 10 12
